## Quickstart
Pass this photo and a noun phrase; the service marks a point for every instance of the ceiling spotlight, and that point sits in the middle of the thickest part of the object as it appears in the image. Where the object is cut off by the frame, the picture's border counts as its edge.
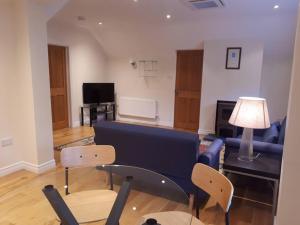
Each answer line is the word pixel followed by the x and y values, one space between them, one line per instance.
pixel 81 18
pixel 100 23
pixel 276 7
pixel 135 0
pixel 168 16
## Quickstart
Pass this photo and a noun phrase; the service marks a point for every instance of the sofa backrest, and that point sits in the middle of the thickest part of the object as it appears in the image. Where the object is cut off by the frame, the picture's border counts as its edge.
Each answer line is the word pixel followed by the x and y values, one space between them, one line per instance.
pixel 165 151
pixel 271 134
pixel 282 132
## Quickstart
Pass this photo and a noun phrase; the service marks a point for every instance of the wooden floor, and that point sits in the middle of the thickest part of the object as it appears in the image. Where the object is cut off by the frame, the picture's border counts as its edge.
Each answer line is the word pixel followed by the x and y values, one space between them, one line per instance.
pixel 71 135
pixel 22 201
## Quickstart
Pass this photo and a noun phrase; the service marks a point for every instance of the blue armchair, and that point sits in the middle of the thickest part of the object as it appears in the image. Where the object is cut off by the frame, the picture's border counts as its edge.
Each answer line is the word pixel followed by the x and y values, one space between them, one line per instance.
pixel 268 141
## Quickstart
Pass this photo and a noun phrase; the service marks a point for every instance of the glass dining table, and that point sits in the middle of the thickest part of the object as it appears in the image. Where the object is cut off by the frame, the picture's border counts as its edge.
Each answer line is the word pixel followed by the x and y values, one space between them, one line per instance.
pixel 152 198
pixel 143 197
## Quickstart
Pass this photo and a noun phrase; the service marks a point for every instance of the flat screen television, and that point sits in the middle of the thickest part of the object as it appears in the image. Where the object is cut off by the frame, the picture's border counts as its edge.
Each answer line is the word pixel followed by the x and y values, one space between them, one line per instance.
pixel 95 93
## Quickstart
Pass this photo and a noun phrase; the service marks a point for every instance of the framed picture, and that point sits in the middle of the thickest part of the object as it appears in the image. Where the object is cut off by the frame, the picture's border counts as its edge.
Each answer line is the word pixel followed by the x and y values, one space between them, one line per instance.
pixel 233 58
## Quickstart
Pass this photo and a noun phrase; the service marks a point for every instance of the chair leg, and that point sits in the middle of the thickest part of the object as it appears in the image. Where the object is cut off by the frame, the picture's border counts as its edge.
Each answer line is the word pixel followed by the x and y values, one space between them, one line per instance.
pixel 67 181
pixel 111 180
pixel 192 201
pixel 197 204
pixel 107 183
pixel 227 218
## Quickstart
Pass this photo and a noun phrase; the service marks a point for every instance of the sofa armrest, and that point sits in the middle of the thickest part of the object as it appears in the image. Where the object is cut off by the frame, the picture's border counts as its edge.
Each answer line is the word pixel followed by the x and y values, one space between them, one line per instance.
pixel 211 156
pixel 258 146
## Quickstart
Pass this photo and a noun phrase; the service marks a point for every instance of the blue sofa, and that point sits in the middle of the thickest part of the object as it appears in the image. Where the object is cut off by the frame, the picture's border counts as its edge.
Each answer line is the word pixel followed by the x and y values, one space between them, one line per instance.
pixel 165 151
pixel 268 141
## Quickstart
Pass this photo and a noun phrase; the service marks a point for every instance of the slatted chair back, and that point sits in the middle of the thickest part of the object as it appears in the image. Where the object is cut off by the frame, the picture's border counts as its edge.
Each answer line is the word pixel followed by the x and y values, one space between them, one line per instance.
pixel 87 156
pixel 213 183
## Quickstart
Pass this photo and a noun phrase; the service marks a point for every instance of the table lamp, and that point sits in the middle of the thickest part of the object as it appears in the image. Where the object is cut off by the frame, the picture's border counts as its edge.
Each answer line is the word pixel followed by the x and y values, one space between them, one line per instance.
pixel 249 113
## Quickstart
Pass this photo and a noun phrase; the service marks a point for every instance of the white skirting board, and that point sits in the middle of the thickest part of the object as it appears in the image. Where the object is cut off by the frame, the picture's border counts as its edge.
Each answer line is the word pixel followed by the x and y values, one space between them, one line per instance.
pixel 205 132
pixel 21 165
pixel 146 122
pixel 137 107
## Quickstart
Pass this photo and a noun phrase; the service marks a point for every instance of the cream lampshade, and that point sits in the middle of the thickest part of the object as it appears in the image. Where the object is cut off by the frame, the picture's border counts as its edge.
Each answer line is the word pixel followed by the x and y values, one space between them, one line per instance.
pixel 250 113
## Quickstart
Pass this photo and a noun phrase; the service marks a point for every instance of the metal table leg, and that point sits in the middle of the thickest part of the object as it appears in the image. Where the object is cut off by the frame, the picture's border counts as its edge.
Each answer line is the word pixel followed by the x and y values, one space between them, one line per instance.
pixel 275 196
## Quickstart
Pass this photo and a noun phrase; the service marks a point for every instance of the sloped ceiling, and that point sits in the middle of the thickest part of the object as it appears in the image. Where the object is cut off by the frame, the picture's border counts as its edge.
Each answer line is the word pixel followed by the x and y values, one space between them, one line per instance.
pixel 133 28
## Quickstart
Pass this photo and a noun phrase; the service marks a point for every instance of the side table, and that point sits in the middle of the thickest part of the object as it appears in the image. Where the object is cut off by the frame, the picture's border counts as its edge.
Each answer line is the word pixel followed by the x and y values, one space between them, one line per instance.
pixel 266 167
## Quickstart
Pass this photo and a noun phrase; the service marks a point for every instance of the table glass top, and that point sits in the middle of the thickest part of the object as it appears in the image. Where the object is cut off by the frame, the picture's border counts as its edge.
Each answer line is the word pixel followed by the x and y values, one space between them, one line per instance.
pixel 151 196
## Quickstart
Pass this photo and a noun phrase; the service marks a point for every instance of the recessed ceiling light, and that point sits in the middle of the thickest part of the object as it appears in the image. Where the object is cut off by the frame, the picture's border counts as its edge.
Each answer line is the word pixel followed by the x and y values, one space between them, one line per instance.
pixel 81 18
pixel 135 0
pixel 168 16
pixel 276 7
pixel 100 23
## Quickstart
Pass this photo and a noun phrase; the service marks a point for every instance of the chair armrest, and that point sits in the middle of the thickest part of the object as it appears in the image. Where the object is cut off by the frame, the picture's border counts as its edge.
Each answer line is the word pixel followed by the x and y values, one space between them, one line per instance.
pixel 211 156
pixel 258 146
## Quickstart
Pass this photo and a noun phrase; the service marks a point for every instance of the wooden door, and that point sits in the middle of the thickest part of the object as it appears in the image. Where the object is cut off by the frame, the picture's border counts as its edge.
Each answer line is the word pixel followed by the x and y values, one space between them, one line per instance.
pixel 188 89
pixel 58 86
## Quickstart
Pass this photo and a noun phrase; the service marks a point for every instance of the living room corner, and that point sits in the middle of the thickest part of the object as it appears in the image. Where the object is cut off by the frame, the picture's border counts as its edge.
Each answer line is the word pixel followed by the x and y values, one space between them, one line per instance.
pixel 149 112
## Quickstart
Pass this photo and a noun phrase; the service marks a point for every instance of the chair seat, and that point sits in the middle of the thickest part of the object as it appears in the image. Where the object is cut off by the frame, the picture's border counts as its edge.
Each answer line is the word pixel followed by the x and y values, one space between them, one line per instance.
pixel 173 218
pixel 90 206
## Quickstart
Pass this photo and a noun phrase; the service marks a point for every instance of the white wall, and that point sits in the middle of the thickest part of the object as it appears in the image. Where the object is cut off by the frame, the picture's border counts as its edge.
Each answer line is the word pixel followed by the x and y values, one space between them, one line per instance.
pixel 87 60
pixel 27 91
pixel 161 88
pixel 37 20
pixel 139 31
pixel 161 42
pixel 219 83
pixel 275 84
pixel 9 155
pixel 289 197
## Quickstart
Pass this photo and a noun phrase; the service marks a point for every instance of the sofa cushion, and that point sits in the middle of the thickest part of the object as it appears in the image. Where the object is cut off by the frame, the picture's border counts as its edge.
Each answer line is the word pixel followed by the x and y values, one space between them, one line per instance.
pixel 271 134
pixel 282 132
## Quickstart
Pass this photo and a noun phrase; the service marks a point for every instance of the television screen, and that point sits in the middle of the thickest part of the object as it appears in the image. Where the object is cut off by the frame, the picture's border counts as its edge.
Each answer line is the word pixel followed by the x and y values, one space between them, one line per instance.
pixel 98 93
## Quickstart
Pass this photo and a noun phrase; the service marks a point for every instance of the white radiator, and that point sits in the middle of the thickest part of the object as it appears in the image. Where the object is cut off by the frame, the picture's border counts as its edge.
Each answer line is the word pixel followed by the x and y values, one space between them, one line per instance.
pixel 137 107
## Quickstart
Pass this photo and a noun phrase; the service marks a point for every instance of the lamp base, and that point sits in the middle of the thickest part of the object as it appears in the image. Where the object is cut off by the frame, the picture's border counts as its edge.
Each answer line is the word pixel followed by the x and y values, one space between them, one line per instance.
pixel 247 159
pixel 246 146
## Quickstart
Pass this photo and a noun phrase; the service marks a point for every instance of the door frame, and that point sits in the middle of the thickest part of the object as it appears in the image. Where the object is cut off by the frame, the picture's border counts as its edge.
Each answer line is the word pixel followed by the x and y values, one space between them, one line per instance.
pixel 68 82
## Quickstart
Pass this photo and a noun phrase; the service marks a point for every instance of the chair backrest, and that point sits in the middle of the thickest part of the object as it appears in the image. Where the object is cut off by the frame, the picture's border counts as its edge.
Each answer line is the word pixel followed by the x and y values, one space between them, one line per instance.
pixel 87 156
pixel 213 183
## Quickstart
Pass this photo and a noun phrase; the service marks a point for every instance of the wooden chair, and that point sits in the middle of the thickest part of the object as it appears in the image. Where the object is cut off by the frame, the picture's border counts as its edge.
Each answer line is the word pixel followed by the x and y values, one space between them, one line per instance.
pixel 210 181
pixel 215 184
pixel 92 205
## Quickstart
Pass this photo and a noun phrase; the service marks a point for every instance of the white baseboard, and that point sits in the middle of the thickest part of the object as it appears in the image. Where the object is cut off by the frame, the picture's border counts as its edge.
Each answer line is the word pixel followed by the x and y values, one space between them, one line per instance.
pixel 11 168
pixel 131 120
pixel 205 132
pixel 76 124
pixel 21 165
pixel 150 122
pixel 165 123
pixel 40 168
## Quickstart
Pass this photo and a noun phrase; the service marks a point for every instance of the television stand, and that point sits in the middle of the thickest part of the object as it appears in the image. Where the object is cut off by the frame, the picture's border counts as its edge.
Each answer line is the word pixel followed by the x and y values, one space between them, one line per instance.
pixel 98 108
